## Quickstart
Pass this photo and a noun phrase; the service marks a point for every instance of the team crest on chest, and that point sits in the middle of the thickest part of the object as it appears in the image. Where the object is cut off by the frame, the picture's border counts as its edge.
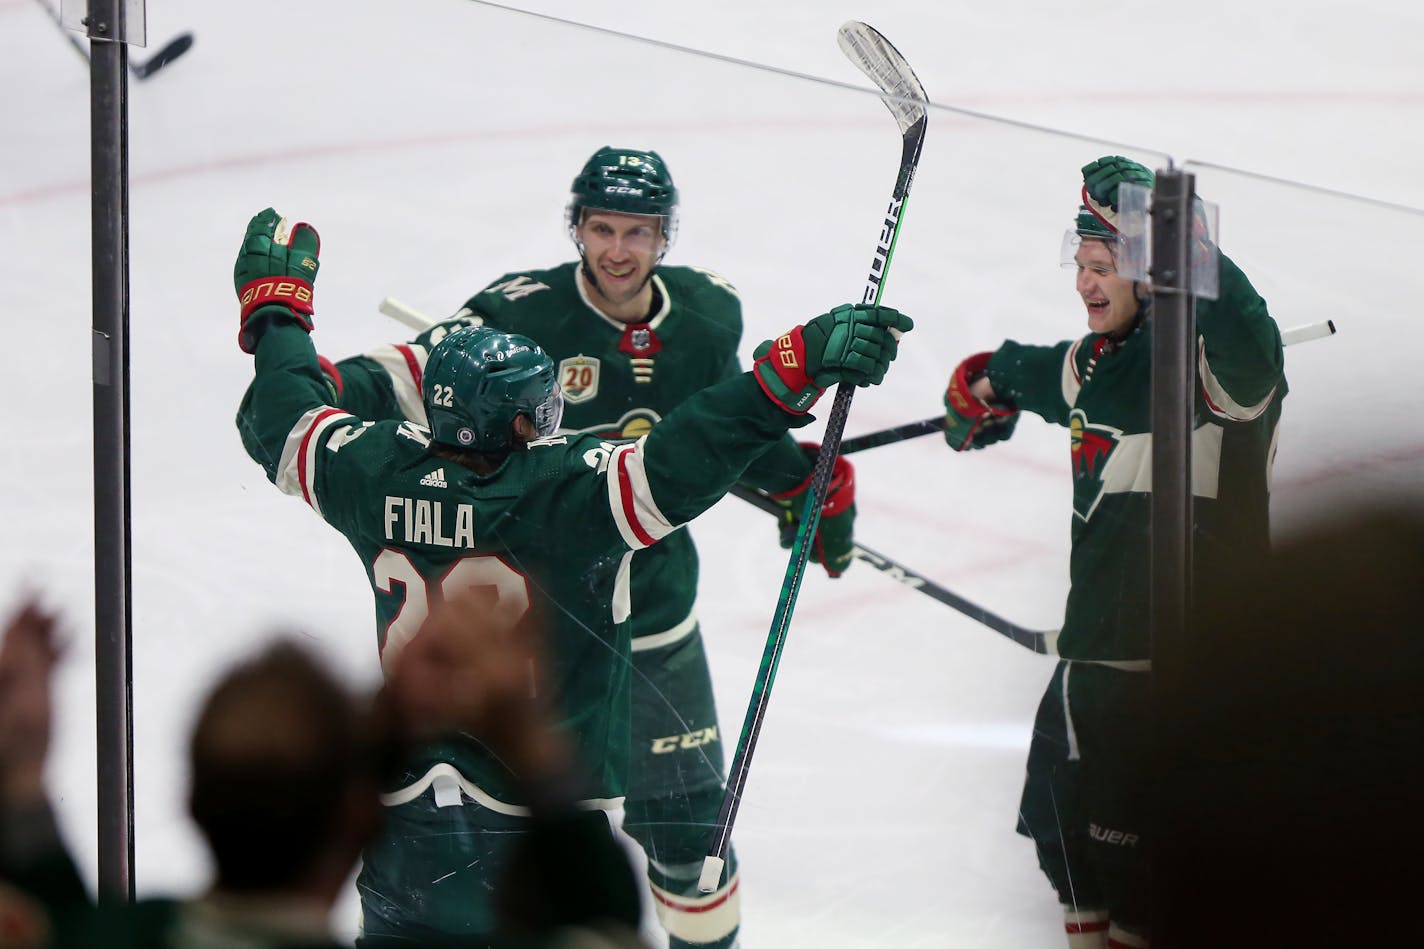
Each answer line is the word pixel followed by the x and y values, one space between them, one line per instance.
pixel 578 377
pixel 1092 449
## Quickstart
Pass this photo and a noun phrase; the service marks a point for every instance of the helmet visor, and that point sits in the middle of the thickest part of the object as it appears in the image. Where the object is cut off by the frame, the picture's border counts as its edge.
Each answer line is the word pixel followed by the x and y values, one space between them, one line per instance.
pixel 549 413
pixel 639 233
pixel 1068 253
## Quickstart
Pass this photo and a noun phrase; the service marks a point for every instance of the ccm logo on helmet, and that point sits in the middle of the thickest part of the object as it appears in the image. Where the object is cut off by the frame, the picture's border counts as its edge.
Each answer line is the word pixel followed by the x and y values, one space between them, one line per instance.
pixel 621 189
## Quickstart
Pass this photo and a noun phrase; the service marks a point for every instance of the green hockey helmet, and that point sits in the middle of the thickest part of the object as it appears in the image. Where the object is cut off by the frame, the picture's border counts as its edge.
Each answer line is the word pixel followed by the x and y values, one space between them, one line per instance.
pixel 627 181
pixel 1087 226
pixel 478 379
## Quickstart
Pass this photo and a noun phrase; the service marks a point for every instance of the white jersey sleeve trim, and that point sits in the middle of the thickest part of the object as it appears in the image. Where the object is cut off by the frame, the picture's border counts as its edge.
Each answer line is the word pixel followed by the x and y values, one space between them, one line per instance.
pixel 405 365
pixel 1217 399
pixel 1072 385
pixel 623 589
pixel 296 469
pixel 630 499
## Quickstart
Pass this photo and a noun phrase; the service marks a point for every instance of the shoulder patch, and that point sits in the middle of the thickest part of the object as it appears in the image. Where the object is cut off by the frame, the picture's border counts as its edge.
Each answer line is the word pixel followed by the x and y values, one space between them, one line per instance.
pixel 578 378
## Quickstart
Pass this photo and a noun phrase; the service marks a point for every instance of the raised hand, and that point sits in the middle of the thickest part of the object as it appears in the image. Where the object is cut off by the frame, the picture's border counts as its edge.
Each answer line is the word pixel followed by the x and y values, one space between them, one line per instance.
pixel 969 421
pixel 273 276
pixel 852 343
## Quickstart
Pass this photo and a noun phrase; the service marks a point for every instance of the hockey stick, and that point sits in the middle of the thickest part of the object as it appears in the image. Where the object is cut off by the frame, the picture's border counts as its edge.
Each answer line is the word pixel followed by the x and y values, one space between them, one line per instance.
pixel 905 97
pixel 171 50
pixel 174 48
pixel 406 314
pixel 1031 639
pixel 928 426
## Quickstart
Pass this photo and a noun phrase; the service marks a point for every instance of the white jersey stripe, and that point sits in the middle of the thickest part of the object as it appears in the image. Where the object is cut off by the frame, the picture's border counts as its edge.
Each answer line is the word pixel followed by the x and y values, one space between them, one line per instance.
pixel 1072 385
pixel 1218 400
pixel 630 498
pixel 474 792
pixel 403 363
pixel 668 636
pixel 296 470
pixel 702 918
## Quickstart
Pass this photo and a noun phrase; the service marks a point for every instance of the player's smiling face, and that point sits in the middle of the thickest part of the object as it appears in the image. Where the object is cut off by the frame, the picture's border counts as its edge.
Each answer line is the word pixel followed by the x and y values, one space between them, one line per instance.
pixel 1112 304
pixel 621 250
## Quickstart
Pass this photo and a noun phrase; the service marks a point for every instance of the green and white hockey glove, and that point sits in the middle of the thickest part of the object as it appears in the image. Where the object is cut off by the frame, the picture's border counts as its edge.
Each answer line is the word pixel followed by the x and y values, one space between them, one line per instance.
pixel 969 421
pixel 1101 179
pixel 273 276
pixel 854 344
pixel 834 544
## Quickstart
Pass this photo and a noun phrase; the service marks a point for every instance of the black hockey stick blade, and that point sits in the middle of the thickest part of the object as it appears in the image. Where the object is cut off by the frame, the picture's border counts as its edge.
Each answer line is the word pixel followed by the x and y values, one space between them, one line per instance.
pixel 175 47
pixel 1033 640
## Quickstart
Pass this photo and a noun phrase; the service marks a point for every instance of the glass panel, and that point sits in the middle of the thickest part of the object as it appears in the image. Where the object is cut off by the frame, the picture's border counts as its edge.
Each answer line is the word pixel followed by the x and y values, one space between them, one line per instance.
pixel 134 27
pixel 434 152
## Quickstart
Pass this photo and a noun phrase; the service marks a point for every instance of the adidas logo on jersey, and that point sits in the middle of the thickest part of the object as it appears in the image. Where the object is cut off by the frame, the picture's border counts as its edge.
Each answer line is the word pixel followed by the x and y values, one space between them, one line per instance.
pixel 436 479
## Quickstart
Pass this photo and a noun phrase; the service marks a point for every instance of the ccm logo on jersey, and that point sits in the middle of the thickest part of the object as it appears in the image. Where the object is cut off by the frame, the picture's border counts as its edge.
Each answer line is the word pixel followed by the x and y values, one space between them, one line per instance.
pixel 693 739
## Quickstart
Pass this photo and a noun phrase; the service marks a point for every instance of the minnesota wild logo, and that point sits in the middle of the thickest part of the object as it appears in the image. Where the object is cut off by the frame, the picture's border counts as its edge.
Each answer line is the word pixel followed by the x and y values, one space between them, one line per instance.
pixel 1092 448
pixel 633 424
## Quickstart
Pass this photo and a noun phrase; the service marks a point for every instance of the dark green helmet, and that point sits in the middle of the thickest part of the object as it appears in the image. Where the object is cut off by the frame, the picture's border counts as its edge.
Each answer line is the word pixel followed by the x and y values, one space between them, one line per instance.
pixel 625 180
pixel 478 379
pixel 1091 225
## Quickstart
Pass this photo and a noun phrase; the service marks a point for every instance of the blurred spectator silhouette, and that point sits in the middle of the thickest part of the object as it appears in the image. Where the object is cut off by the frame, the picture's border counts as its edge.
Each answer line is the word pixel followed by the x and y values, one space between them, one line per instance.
pixel 286 771
pixel 1292 746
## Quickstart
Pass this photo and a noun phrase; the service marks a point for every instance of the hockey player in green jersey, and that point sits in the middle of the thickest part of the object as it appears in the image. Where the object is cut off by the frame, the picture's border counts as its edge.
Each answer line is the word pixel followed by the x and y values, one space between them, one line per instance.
pixel 632 339
pixel 477 498
pixel 1083 800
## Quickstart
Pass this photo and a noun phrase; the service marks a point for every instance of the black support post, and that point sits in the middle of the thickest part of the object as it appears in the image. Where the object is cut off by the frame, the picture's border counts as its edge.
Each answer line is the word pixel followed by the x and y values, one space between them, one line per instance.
pixel 113 615
pixel 1174 330
pixel 1172 404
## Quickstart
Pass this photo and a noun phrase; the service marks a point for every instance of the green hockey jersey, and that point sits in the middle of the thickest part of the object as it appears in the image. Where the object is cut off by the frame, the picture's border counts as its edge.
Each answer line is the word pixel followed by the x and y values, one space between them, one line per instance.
pixel 1100 391
pixel 552 531
pixel 618 381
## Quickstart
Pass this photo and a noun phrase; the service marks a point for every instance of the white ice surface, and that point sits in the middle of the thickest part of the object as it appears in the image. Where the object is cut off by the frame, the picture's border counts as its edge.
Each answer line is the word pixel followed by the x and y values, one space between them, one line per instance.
pixel 431 142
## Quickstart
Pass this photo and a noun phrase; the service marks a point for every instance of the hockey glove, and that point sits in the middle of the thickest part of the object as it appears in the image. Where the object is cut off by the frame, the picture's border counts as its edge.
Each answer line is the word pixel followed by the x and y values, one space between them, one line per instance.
pixel 1100 183
pixel 969 421
pixel 273 276
pixel 833 546
pixel 852 344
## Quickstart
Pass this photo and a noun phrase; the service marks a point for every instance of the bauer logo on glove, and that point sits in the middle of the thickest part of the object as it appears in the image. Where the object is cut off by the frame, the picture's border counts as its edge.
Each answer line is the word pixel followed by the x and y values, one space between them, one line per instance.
pixel 276 290
pixel 853 344
pixel 273 276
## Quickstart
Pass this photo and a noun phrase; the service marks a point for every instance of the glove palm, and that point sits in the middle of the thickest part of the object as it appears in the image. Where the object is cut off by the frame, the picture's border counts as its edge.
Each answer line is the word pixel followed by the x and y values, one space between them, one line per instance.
pixel 969 421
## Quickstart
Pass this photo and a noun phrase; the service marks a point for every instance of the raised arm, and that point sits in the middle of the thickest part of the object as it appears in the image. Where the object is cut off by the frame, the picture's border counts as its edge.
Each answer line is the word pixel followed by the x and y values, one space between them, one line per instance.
pixel 273 277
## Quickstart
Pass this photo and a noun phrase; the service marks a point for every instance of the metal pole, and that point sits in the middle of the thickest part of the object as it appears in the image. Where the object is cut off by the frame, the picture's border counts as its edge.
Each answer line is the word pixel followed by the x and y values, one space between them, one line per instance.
pixel 1173 390
pixel 113 617
pixel 1172 404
